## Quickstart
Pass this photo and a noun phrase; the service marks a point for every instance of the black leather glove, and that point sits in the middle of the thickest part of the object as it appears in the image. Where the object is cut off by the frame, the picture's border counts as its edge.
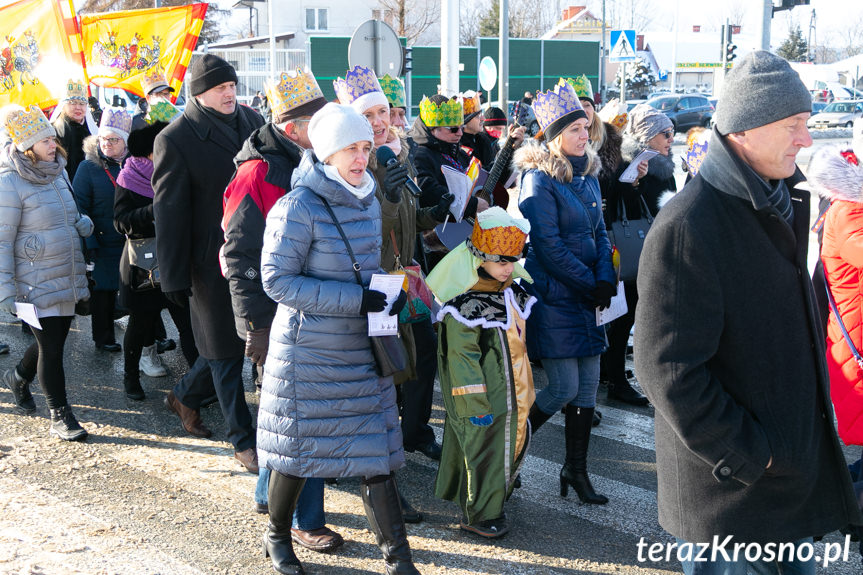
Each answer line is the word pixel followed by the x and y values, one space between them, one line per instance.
pixel 257 345
pixel 373 301
pixel 602 294
pixel 179 298
pixel 399 304
pixel 442 208
pixel 397 175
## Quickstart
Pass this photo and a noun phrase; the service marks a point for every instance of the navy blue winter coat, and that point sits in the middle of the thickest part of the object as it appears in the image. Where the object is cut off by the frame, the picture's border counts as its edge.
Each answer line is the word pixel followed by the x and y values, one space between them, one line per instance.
pixel 324 411
pixel 569 253
pixel 94 194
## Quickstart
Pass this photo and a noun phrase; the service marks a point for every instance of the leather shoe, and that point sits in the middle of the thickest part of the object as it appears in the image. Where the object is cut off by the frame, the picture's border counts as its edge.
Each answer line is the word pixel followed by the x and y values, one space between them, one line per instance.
pixel 163 345
pixel 321 539
pixel 190 418
pixel 114 346
pixel 623 391
pixel 249 459
pixel 431 450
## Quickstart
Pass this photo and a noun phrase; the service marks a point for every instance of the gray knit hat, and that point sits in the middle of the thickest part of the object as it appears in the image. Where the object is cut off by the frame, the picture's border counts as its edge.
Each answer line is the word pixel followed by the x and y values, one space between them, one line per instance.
pixel 645 122
pixel 761 89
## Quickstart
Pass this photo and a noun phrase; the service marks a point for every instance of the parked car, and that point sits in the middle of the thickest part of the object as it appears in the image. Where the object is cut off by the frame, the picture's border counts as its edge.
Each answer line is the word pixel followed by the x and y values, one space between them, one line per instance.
pixel 818 107
pixel 839 114
pixel 685 111
pixel 630 104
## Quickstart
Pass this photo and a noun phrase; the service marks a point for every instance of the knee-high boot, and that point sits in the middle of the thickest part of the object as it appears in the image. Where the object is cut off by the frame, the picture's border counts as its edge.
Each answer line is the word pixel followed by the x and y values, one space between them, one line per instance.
pixel 537 417
pixel 284 490
pixel 579 421
pixel 381 501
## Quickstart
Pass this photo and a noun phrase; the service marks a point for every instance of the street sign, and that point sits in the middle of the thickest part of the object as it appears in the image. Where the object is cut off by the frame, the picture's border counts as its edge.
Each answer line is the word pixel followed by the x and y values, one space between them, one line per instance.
pixel 487 73
pixel 622 46
pixel 375 45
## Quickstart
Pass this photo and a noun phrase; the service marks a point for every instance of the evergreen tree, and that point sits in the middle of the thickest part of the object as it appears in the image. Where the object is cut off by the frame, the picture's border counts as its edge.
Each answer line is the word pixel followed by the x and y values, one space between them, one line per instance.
pixel 489 24
pixel 795 47
pixel 639 79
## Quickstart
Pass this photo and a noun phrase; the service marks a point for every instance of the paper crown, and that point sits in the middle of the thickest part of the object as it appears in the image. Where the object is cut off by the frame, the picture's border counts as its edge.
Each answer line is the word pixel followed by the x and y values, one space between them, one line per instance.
pixel 357 83
pixel 554 105
pixel 497 235
pixel 28 126
pixel 153 79
pixel 696 150
pixel 449 113
pixel 394 90
pixel 471 103
pixel 116 120
pixel 163 111
pixel 75 90
pixel 292 91
pixel 615 113
pixel 582 86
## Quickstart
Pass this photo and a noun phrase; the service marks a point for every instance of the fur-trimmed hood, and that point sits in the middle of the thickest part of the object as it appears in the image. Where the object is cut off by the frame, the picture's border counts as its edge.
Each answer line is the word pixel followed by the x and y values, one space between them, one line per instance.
pixel 95 155
pixel 535 155
pixel 836 173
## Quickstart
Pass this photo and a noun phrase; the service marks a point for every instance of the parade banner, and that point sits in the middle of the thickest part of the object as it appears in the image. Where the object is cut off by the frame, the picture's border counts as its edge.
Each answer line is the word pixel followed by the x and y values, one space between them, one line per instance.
pixel 39 52
pixel 121 47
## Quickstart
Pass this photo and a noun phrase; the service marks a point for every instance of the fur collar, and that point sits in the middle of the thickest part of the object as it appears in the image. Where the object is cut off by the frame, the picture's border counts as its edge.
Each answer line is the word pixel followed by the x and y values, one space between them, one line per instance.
pixel 834 177
pixel 609 153
pixel 533 155
pixel 95 155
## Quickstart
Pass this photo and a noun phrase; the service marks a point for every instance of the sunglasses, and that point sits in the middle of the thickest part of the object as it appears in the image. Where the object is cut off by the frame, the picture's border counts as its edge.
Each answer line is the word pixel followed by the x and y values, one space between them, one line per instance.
pixel 452 129
pixel 668 134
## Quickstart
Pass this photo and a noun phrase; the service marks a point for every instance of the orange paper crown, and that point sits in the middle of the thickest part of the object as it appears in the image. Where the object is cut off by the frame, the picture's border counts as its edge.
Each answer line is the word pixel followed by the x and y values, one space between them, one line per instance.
pixel 471 103
pixel 496 233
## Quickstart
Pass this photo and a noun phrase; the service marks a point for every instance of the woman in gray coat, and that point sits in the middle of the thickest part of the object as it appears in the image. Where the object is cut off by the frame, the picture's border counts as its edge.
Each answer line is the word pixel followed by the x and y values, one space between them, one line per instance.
pixel 324 410
pixel 41 261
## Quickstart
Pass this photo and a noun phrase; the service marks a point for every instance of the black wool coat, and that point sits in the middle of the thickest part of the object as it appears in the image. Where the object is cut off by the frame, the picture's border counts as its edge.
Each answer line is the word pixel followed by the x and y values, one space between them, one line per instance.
pixel 193 159
pixel 730 351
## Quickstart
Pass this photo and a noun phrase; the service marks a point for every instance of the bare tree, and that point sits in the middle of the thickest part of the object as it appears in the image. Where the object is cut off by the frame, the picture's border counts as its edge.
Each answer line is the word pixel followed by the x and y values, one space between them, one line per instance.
pixel 210 32
pixel 411 17
pixel 468 26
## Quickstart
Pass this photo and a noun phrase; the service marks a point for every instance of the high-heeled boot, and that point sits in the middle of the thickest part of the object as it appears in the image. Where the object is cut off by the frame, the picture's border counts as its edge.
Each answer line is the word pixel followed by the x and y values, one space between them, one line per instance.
pixel 537 418
pixel 579 421
pixel 284 490
pixel 381 501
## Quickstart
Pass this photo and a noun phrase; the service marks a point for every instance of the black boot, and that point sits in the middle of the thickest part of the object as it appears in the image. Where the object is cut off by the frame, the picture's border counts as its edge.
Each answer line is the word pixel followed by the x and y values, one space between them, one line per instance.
pixel 622 390
pixel 284 490
pixel 579 421
pixel 20 389
pixel 381 501
pixel 409 514
pixel 132 385
pixel 65 426
pixel 537 417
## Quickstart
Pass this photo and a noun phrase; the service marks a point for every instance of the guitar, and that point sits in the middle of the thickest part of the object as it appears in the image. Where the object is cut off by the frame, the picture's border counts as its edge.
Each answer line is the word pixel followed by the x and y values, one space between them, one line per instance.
pixel 451 234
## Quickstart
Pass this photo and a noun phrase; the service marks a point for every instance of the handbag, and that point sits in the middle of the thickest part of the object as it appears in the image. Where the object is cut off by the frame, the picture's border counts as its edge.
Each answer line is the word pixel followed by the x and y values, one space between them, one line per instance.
pixel 143 265
pixel 389 351
pixel 628 236
pixel 419 298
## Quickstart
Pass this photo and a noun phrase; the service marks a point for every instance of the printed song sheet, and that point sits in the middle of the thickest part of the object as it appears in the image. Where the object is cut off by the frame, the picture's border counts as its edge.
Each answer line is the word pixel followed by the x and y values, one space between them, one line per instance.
pixel 617 308
pixel 631 172
pixel 382 323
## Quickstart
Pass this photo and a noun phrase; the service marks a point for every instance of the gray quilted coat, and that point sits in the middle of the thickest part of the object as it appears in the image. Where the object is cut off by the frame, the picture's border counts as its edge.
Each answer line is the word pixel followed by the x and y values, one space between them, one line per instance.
pixel 41 261
pixel 324 411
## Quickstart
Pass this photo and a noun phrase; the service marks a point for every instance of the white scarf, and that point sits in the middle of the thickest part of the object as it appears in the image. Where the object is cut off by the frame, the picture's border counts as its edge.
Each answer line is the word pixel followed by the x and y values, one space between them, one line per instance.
pixel 367 186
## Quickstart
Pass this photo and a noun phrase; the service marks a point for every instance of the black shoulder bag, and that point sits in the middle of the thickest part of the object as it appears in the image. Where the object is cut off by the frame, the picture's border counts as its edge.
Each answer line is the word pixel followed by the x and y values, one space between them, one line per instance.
pixel 628 236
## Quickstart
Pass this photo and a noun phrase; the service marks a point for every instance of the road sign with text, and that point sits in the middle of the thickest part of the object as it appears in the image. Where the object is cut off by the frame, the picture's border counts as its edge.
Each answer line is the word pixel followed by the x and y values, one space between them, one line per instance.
pixel 622 46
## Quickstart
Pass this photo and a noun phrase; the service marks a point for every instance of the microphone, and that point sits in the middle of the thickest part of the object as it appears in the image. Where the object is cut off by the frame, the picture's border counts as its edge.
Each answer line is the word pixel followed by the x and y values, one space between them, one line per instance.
pixel 387 157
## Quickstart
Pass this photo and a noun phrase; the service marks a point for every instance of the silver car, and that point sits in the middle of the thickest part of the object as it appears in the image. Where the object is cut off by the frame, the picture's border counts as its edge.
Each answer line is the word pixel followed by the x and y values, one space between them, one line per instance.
pixel 839 114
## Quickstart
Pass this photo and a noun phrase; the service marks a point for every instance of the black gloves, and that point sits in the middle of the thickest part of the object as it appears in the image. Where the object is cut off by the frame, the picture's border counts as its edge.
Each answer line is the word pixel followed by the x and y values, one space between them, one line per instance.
pixel 602 294
pixel 440 211
pixel 397 175
pixel 375 301
pixel 179 298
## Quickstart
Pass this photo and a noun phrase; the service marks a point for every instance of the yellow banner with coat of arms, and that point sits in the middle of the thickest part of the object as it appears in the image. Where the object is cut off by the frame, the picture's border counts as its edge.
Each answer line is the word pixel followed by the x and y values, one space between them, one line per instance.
pixel 122 47
pixel 40 49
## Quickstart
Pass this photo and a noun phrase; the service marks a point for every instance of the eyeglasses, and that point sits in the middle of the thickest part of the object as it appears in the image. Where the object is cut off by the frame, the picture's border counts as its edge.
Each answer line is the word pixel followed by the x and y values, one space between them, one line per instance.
pixel 668 134
pixel 453 129
pixel 112 141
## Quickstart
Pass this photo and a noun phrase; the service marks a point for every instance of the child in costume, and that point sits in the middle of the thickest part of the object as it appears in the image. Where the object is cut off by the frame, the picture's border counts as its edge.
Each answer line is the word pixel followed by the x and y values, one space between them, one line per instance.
pixel 485 375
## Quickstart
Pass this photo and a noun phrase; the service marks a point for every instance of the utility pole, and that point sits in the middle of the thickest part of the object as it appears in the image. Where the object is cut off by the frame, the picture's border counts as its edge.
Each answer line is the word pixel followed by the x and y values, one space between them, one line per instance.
pixel 503 58
pixel 766 19
pixel 602 88
pixel 813 38
pixel 449 56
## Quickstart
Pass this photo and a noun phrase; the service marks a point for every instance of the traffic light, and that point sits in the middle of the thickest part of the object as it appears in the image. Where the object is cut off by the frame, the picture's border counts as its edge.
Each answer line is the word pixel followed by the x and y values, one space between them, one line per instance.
pixel 730 46
pixel 789 4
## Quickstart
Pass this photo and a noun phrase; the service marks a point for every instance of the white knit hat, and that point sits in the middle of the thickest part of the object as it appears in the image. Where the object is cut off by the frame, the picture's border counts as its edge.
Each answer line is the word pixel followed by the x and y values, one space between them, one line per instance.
pixel 335 127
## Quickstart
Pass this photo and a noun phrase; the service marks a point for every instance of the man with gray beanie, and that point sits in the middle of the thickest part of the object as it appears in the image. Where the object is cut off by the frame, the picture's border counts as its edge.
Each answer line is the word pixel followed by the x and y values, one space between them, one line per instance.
pixel 729 347
pixel 193 162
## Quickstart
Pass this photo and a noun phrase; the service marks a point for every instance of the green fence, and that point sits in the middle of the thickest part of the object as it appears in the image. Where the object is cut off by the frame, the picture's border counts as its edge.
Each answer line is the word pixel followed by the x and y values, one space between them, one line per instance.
pixel 533 65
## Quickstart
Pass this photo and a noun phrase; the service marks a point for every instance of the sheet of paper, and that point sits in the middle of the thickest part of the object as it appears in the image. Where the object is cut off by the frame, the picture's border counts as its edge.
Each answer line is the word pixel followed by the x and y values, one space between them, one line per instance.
pixel 631 172
pixel 460 186
pixel 382 323
pixel 617 308
pixel 26 312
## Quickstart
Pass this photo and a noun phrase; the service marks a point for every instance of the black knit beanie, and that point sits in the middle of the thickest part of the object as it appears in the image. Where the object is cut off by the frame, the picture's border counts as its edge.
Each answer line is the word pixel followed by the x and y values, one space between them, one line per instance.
pixel 208 72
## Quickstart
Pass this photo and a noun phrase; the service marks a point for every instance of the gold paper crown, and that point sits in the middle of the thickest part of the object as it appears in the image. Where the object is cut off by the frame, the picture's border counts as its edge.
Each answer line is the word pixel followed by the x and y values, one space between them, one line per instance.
pixel 292 92
pixel 472 103
pixel 498 241
pixel 449 113
pixel 75 90
pixel 394 90
pixel 28 126
pixel 154 78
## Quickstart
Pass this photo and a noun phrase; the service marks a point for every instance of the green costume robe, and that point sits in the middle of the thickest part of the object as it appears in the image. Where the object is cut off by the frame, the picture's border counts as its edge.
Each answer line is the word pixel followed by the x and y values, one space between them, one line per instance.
pixel 484 369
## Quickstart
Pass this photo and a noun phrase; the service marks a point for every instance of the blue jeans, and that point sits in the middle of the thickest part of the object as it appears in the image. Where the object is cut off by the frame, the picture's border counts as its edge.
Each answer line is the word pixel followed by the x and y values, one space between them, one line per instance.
pixel 743 567
pixel 571 381
pixel 309 514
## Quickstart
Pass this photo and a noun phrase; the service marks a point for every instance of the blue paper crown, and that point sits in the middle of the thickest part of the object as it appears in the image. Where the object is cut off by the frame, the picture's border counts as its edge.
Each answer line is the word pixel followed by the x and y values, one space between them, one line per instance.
pixel 357 82
pixel 554 104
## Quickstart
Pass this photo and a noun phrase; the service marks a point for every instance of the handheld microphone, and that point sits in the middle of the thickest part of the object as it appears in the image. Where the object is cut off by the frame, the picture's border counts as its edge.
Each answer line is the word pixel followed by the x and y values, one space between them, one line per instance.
pixel 387 157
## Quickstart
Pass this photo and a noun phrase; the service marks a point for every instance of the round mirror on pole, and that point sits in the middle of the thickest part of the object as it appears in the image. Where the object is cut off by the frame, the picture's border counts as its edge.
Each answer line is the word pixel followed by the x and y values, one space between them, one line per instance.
pixel 487 74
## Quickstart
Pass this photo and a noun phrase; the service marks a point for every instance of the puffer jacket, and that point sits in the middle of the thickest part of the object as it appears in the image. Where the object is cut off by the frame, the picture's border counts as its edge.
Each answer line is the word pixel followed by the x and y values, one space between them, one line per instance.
pixel 41 260
pixel 569 253
pixel 838 180
pixel 94 194
pixel 324 411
